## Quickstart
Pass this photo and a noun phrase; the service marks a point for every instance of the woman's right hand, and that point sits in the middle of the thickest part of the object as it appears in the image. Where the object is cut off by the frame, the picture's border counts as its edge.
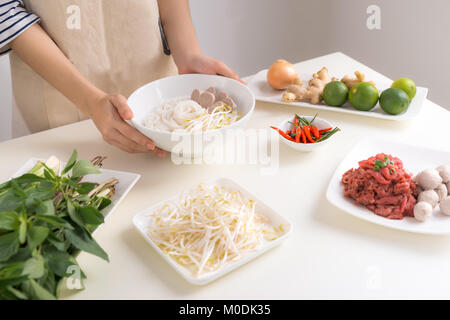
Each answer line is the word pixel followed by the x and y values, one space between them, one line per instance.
pixel 109 113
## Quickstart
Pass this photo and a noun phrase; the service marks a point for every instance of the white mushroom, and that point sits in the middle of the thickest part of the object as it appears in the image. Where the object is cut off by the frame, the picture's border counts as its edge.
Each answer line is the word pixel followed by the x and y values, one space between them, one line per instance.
pixel 441 191
pixel 429 196
pixel 445 206
pixel 444 172
pixel 422 211
pixel 429 179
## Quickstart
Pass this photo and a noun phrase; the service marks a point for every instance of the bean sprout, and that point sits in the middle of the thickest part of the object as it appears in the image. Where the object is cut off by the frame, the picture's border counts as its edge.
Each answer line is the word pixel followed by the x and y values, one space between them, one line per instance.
pixel 208 227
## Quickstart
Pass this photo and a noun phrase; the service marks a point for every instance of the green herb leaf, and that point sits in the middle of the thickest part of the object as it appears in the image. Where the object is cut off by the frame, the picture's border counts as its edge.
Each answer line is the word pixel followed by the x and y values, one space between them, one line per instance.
pixel 21 255
pixel 83 167
pixel 9 245
pixel 12 281
pixel 82 240
pixel 12 270
pixel 37 235
pixel 28 178
pixel 34 267
pixel 71 162
pixel 73 214
pixel 45 208
pixel 23 227
pixel 9 220
pixel 36 291
pixel 59 262
pixel 86 187
pixel 91 215
pixel 59 244
pixel 104 202
pixel 55 221
pixel 16 293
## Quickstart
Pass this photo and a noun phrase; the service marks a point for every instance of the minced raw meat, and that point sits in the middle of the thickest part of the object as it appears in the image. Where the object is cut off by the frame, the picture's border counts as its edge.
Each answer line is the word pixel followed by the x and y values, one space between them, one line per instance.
pixel 389 192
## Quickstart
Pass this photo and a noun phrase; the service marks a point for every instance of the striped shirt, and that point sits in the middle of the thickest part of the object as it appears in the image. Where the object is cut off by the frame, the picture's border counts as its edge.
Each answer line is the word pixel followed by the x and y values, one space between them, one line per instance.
pixel 14 19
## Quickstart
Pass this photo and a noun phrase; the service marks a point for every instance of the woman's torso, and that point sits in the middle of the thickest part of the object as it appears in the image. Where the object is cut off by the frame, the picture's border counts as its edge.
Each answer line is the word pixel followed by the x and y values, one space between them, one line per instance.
pixel 116 44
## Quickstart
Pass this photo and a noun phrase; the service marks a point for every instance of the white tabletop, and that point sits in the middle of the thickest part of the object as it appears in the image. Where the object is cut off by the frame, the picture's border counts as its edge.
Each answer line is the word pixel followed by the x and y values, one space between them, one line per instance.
pixel 330 254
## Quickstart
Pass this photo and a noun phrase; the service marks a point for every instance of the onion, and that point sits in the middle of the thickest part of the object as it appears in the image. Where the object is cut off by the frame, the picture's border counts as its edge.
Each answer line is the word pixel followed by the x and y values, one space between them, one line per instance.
pixel 281 74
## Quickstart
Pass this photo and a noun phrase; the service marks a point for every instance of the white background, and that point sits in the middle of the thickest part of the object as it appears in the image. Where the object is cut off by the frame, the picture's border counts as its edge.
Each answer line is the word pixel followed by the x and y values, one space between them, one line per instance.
pixel 249 35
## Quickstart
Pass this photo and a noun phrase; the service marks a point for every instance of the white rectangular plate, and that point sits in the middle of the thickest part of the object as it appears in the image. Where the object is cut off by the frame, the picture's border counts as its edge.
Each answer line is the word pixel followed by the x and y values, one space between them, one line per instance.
pixel 263 92
pixel 141 222
pixel 126 181
pixel 415 159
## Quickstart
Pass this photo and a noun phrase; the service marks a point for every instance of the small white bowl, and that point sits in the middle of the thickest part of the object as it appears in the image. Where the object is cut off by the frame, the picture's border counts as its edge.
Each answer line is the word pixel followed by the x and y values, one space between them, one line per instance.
pixel 154 94
pixel 305 147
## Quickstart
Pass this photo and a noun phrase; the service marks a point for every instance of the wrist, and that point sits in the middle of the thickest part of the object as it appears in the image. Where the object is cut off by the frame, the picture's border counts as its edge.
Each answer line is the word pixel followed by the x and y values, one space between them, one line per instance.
pixel 185 59
pixel 90 100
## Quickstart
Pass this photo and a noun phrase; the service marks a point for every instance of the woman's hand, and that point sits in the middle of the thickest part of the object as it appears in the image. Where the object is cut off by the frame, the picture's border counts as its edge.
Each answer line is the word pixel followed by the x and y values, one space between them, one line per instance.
pixel 109 113
pixel 199 63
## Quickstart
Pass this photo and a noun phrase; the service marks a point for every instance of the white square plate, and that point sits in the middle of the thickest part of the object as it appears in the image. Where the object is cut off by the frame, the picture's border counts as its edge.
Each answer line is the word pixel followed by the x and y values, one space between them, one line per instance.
pixel 263 92
pixel 415 159
pixel 141 222
pixel 126 181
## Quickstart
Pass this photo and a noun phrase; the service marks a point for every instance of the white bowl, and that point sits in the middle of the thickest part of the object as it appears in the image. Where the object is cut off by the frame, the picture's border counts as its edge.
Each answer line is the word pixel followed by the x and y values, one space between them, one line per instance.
pixel 306 147
pixel 154 94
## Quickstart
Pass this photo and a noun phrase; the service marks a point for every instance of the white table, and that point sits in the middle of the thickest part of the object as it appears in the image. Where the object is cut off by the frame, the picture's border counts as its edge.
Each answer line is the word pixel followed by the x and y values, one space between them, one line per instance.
pixel 330 254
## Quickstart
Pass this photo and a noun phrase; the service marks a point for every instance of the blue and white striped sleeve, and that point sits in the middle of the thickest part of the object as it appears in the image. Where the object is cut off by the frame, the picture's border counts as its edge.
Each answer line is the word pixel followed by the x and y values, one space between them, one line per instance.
pixel 14 19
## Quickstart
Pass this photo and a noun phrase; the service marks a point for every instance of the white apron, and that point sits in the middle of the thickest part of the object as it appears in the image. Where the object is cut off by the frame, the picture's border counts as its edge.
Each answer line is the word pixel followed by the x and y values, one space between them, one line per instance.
pixel 117 46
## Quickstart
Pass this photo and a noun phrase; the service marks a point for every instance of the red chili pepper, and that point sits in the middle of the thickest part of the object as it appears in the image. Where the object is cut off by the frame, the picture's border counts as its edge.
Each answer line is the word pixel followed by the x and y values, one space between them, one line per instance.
pixel 307 130
pixel 283 134
pixel 296 120
pixel 288 132
pixel 325 130
pixel 303 137
pixel 298 135
pixel 315 132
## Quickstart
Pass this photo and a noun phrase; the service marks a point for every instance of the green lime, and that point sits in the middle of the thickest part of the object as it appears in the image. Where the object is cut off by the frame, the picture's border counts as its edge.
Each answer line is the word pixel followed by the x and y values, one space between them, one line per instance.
pixel 394 101
pixel 363 96
pixel 406 85
pixel 335 93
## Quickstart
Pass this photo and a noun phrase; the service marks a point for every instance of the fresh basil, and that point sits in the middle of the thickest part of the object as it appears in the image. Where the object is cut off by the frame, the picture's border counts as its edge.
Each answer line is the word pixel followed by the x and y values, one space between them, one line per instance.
pixel 9 220
pixel 45 220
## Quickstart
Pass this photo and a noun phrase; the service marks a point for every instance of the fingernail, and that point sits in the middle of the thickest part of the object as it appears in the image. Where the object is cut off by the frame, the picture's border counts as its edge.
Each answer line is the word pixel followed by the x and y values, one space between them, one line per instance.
pixel 151 146
pixel 161 153
pixel 129 115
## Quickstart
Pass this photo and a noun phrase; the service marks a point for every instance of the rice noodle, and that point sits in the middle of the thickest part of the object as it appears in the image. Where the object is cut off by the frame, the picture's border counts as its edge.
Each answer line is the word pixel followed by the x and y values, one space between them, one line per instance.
pixel 185 115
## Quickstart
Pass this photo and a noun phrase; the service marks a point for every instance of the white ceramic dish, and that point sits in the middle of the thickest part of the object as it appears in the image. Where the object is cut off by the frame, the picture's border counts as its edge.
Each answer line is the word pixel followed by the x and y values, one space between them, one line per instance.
pixel 141 222
pixel 154 94
pixel 263 92
pixel 415 159
pixel 306 147
pixel 126 181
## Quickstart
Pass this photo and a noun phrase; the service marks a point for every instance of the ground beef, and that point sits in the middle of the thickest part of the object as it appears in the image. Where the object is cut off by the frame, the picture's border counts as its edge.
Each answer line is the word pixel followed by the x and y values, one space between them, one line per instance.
pixel 389 192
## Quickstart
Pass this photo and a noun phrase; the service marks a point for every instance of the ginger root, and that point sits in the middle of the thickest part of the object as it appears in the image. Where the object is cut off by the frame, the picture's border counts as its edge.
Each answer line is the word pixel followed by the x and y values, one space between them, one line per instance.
pixel 313 93
pixel 349 81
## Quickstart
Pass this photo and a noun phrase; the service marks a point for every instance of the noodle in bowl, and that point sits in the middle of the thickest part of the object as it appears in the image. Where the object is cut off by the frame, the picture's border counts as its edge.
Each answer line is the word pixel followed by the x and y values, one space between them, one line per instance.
pixel 183 115
pixel 164 112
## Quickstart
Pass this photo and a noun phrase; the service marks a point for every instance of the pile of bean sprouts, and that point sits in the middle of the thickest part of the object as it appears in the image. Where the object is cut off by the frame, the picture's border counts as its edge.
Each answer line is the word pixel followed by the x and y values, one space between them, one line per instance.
pixel 187 116
pixel 208 227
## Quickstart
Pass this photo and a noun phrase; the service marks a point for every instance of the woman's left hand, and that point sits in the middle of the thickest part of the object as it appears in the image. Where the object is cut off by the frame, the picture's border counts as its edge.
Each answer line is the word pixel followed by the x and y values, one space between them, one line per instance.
pixel 199 63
